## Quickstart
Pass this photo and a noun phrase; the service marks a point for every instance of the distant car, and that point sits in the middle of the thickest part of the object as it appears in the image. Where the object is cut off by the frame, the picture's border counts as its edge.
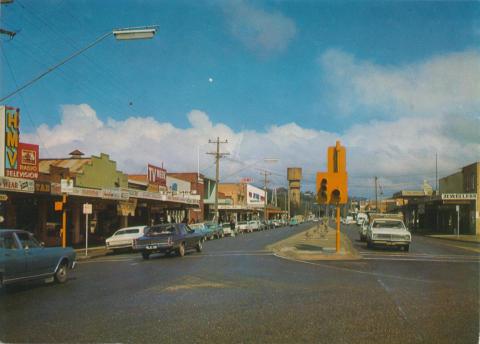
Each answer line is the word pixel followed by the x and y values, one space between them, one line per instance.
pixel 387 231
pixel 293 222
pixel 254 225
pixel 243 227
pixel 227 230
pixel 216 229
pixel 168 238
pixel 23 258
pixel 363 230
pixel 361 217
pixel 123 238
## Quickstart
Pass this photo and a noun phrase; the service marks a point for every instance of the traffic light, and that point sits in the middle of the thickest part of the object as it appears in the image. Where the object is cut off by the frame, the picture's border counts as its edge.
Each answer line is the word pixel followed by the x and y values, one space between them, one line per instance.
pixel 332 185
pixel 322 188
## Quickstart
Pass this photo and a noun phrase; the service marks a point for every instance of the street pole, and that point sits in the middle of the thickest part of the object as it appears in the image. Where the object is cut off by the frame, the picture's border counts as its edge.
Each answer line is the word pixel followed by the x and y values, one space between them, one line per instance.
pixel 376 196
pixel 217 155
pixel 288 202
pixel 64 221
pixel 265 181
pixel 86 234
pixel 458 220
pixel 337 236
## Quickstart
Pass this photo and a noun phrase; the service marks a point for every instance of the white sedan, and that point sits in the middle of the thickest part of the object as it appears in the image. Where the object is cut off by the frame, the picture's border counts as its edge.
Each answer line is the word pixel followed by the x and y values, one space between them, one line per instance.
pixel 123 238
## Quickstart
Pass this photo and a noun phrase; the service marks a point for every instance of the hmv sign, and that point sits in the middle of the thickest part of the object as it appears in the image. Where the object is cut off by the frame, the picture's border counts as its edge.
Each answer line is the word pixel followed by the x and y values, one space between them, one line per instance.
pixel 157 175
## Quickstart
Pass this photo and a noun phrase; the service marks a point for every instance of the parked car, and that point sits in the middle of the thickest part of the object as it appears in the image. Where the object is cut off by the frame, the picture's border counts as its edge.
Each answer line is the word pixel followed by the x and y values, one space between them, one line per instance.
pixel 24 258
pixel 227 230
pixel 388 231
pixel 293 222
pixel 254 225
pixel 123 238
pixel 203 230
pixel 243 227
pixel 168 238
pixel 216 229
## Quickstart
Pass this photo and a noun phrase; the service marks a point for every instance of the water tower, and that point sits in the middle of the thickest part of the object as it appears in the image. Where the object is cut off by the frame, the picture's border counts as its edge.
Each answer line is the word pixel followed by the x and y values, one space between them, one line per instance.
pixel 294 176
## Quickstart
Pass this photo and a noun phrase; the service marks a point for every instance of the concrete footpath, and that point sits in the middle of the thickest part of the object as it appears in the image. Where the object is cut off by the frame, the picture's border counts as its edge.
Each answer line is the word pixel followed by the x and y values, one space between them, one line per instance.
pixel 93 252
pixel 316 243
pixel 452 237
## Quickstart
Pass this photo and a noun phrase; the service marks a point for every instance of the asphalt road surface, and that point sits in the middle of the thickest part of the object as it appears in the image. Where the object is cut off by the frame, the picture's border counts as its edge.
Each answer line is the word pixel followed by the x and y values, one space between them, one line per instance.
pixel 236 292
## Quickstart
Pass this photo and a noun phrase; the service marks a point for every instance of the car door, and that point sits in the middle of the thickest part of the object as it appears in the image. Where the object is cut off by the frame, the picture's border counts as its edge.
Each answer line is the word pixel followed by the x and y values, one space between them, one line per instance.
pixel 13 261
pixel 39 259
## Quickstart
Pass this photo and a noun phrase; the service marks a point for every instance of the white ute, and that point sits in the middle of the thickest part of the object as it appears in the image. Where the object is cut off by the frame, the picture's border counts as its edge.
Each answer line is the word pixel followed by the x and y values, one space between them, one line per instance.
pixel 388 230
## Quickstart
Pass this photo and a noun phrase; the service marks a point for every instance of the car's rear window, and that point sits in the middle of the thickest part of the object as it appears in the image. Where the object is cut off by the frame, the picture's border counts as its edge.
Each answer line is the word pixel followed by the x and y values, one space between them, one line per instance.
pixel 163 229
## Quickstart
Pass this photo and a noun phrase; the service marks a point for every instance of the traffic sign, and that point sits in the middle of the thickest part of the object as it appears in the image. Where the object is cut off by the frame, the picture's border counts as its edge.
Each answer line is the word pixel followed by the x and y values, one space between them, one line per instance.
pixel 87 208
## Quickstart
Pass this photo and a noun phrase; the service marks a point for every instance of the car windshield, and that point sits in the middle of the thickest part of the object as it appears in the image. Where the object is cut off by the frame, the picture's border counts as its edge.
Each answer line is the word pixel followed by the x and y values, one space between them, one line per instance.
pixel 389 224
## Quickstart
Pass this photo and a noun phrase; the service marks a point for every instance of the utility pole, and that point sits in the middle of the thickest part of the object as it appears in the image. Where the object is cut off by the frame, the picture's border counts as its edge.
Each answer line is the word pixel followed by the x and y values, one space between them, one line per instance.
pixel 436 174
pixel 218 155
pixel 265 182
pixel 376 195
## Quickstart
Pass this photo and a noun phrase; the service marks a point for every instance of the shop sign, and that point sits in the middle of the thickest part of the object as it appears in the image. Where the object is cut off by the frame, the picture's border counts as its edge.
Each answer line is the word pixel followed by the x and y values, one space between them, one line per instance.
pixel 127 208
pixel 27 162
pixel 115 194
pixel 12 138
pixel 17 184
pixel 421 208
pixel 459 196
pixel 157 175
pixel 255 196
pixel 3 197
pixel 66 186
pixel 43 187
pixel 246 180
pixel 85 192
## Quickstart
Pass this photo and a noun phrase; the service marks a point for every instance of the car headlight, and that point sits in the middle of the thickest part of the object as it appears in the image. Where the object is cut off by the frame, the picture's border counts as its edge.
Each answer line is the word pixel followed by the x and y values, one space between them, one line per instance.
pixel 407 237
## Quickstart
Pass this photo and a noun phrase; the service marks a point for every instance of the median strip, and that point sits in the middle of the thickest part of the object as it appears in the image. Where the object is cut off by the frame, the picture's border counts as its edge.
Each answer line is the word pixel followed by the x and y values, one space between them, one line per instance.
pixel 316 243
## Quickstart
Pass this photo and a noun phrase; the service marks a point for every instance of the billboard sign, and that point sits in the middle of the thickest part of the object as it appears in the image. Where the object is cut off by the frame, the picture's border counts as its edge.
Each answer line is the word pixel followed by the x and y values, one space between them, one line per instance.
pixel 157 175
pixel 27 162
pixel 255 196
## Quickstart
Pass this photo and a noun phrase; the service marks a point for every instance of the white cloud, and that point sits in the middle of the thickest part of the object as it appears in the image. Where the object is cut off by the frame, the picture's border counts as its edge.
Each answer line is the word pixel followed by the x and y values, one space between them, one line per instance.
pixel 260 31
pixel 384 148
pixel 441 86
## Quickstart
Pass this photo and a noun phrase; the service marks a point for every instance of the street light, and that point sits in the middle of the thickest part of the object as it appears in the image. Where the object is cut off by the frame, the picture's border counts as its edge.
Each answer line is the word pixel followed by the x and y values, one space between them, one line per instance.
pixel 133 33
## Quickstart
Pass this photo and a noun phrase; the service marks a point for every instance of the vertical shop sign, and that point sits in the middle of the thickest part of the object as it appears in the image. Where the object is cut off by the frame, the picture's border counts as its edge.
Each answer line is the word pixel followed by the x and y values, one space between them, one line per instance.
pixel 12 138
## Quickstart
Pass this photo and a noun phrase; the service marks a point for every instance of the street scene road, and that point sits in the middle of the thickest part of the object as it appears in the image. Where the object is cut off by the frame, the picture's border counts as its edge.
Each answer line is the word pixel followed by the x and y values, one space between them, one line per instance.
pixel 236 291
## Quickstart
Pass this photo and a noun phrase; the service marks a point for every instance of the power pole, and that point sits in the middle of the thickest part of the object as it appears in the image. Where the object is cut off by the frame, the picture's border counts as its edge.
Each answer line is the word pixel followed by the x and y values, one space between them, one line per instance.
pixel 288 202
pixel 436 174
pixel 376 195
pixel 218 155
pixel 265 182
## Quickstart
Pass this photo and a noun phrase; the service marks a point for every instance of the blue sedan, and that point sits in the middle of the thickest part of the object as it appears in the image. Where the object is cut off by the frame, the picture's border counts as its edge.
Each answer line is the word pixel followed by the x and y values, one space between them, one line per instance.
pixel 23 258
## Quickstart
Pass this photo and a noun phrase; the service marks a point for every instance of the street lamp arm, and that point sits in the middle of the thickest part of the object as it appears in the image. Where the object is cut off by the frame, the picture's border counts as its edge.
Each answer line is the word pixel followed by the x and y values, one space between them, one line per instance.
pixel 128 33
pixel 52 68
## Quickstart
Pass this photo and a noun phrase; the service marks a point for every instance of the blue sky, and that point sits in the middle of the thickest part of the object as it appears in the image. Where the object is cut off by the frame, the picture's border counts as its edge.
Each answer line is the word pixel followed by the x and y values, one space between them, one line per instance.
pixel 272 64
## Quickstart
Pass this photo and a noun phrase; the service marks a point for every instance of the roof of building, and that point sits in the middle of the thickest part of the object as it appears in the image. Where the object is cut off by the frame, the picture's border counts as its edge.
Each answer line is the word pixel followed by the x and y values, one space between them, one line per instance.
pixel 75 165
pixel 140 179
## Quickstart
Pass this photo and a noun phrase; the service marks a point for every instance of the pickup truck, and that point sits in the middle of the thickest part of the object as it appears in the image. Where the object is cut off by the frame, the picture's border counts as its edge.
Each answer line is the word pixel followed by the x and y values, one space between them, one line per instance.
pixel 168 238
pixel 388 231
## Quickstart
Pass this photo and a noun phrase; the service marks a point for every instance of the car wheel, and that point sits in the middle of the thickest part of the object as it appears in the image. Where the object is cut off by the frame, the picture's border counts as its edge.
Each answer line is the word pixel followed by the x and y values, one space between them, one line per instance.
pixel 61 274
pixel 199 246
pixel 181 250
pixel 406 248
pixel 145 255
pixel 369 244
